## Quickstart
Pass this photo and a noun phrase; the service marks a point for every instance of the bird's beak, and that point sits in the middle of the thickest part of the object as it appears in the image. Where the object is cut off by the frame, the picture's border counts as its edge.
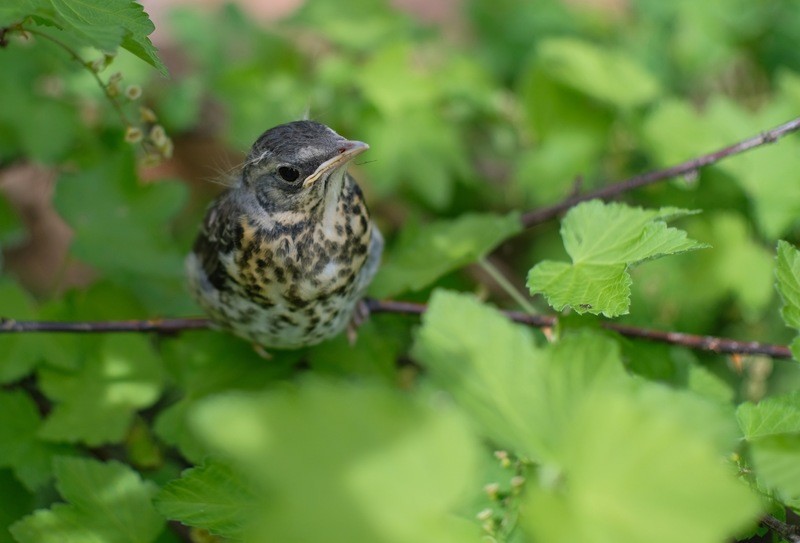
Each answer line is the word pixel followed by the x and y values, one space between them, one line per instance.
pixel 348 150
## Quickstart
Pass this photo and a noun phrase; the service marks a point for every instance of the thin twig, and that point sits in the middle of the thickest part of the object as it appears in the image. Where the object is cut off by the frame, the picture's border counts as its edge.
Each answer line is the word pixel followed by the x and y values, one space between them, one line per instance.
pixel 506 285
pixel 713 344
pixel 538 216
pixel 164 326
pixel 789 532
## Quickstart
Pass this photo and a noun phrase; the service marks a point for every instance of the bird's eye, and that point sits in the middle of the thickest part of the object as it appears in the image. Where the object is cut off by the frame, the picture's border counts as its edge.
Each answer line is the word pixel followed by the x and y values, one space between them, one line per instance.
pixel 288 173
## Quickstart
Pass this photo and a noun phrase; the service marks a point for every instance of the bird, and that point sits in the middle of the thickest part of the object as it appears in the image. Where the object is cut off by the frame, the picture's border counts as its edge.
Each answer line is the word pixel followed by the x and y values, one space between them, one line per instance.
pixel 285 255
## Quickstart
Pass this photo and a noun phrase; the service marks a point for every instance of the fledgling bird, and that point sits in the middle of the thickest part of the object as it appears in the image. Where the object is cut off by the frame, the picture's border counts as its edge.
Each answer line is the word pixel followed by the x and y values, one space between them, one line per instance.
pixel 285 255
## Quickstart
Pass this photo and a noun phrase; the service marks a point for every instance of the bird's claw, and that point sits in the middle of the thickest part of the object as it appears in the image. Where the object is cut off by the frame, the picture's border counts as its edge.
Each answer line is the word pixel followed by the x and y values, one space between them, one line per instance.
pixel 261 351
pixel 360 315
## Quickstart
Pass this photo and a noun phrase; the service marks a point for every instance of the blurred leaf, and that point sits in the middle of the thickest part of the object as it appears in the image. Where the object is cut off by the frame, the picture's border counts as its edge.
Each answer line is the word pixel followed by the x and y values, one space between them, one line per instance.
pixel 393 473
pixel 605 75
pixel 709 385
pixel 20 351
pixel 460 343
pixel 11 229
pixel 213 496
pixel 180 107
pixel 777 462
pixel 603 240
pixel 771 416
pixel 15 501
pixel 668 293
pixel 561 407
pixel 374 354
pixel 787 273
pixel 423 153
pixel 665 484
pixel 361 25
pixel 38 126
pixel 553 109
pixel 393 84
pixel 212 362
pixel 734 243
pixel 676 132
pixel 507 30
pixel 126 234
pixel 131 216
pixel 763 174
pixel 439 248
pixel 23 451
pixel 13 13
pixel 95 404
pixel 772 429
pixel 678 368
pixel 520 395
pixel 549 172
pixel 106 502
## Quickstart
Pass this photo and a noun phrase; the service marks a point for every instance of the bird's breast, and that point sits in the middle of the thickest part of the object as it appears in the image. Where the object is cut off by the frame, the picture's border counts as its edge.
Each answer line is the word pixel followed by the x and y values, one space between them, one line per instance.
pixel 295 260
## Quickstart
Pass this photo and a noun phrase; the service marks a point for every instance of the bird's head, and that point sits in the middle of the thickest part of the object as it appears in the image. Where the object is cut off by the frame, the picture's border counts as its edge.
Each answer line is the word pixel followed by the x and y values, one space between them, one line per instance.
pixel 295 166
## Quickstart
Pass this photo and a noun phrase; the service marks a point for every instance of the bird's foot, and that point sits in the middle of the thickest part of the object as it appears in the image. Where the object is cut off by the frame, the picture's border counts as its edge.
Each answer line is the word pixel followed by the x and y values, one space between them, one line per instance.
pixel 261 351
pixel 360 315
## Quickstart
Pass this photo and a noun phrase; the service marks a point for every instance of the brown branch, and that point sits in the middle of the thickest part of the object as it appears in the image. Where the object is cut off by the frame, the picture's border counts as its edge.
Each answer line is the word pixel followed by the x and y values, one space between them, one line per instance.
pixel 538 216
pixel 163 326
pixel 166 326
pixel 789 532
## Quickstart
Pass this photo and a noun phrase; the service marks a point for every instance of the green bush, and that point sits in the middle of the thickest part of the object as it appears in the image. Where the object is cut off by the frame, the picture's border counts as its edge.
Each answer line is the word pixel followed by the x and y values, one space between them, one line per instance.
pixel 466 424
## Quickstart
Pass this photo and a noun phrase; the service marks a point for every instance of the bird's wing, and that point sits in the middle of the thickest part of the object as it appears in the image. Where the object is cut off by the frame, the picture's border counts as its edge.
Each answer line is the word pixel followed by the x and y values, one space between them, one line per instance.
pixel 373 260
pixel 218 237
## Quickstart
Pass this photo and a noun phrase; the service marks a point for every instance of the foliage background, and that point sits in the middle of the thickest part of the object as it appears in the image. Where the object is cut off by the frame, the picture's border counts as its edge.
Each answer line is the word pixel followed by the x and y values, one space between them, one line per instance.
pixel 504 106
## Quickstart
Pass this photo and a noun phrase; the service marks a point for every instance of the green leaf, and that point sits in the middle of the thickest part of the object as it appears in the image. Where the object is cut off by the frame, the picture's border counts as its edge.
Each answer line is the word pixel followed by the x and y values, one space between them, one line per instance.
pixel 23 451
pixel 380 341
pixel 15 12
pixel 15 502
pixel 587 288
pixel 734 242
pixel 603 240
pixel 777 463
pixel 21 352
pixel 135 216
pixel 11 229
pixel 556 111
pixel 106 502
pixel 390 83
pixel 676 132
pixel 631 472
pixel 771 416
pixel 39 126
pixel 104 24
pixel 361 25
pixel 787 272
pixel 95 404
pixel 213 496
pixel 212 362
pixel 571 408
pixel 460 343
pixel 605 75
pixel 519 394
pixel 393 473
pixel 439 248
pixel 668 293
pixel 772 428
pixel 402 141
pixel 547 173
